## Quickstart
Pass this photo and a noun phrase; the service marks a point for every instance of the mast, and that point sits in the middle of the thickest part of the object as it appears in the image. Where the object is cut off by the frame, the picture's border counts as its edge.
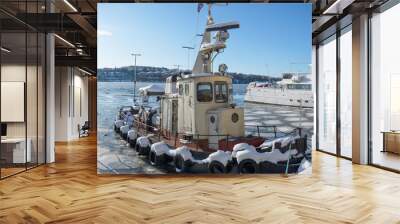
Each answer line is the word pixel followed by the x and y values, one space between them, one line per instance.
pixel 203 64
pixel 209 50
pixel 134 81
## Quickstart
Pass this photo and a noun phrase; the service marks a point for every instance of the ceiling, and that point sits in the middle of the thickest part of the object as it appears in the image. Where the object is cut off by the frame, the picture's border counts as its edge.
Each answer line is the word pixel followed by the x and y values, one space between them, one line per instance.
pixel 332 15
pixel 75 22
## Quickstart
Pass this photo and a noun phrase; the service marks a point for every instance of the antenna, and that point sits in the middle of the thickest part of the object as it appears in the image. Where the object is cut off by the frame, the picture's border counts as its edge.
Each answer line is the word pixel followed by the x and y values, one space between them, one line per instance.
pixel 188 57
pixel 134 81
pixel 177 66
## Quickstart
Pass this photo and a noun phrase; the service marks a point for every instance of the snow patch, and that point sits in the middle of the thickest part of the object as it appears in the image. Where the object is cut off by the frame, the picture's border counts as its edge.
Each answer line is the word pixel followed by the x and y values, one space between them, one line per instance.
pixel 160 148
pixel 184 151
pixel 220 156
pixel 239 147
pixel 143 141
pixel 130 120
pixel 119 123
pixel 283 140
pixel 124 129
pixel 244 151
pixel 132 134
pixel 305 164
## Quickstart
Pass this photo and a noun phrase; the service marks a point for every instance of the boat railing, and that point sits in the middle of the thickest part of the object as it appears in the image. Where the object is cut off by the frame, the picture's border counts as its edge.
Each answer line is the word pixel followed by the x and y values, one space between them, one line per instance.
pixel 275 131
pixel 146 129
pixel 262 132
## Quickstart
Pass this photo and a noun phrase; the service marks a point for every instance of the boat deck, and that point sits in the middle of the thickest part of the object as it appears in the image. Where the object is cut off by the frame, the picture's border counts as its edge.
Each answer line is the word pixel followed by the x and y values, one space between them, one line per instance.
pixel 115 155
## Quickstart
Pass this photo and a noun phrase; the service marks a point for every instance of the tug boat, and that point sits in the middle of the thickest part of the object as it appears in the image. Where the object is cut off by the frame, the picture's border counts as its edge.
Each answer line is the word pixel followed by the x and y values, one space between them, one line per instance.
pixel 198 124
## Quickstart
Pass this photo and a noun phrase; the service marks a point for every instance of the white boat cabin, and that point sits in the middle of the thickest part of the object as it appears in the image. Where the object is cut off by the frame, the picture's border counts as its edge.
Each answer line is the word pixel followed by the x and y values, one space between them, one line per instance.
pixel 202 106
pixel 202 103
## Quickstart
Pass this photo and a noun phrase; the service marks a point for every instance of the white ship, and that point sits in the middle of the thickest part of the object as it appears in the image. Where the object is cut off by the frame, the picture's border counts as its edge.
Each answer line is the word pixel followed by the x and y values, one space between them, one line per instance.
pixel 293 90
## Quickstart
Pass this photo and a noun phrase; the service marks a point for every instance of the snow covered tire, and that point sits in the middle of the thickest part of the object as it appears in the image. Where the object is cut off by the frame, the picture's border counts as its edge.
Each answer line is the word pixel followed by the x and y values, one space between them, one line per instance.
pixel 248 166
pixel 181 165
pixel 156 160
pixel 132 143
pixel 217 167
pixel 144 151
pixel 124 136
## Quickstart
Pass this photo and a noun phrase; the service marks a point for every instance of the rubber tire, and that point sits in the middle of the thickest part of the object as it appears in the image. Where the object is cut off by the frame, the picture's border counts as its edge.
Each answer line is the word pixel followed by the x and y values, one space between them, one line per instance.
pixel 156 160
pixel 229 166
pixel 144 151
pixel 234 162
pixel 132 143
pixel 181 166
pixel 216 167
pixel 248 166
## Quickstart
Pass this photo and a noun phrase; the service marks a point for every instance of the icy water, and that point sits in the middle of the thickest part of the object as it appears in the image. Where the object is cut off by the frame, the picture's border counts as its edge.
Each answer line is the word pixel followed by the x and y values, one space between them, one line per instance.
pixel 115 156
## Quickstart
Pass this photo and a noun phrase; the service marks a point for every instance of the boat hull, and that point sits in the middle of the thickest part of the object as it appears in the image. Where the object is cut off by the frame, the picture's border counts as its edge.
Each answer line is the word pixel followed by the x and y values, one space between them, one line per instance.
pixel 277 96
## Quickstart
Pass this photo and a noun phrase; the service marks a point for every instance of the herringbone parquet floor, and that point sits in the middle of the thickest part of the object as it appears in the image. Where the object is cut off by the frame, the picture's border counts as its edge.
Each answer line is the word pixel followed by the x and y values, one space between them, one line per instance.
pixel 70 191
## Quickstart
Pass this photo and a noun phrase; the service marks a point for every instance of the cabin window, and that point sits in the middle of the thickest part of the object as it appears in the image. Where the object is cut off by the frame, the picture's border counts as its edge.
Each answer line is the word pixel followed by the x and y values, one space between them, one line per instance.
pixel 180 89
pixel 221 92
pixel 186 89
pixel 204 92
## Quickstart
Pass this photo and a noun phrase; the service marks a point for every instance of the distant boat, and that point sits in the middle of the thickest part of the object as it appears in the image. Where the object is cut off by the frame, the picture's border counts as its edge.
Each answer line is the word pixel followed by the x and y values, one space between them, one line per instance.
pixel 293 90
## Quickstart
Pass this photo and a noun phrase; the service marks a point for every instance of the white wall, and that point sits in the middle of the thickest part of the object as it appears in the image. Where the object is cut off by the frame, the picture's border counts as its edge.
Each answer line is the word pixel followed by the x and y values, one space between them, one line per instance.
pixel 12 73
pixel 33 125
pixel 71 87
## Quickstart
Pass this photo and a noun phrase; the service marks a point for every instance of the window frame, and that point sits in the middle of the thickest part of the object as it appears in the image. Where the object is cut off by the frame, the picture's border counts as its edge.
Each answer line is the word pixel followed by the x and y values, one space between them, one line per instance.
pixel 210 84
pixel 187 89
pixel 220 83
pixel 180 89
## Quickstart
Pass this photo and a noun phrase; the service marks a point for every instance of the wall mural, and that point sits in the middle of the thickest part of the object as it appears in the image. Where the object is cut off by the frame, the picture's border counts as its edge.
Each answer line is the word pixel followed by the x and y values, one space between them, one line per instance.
pixel 244 105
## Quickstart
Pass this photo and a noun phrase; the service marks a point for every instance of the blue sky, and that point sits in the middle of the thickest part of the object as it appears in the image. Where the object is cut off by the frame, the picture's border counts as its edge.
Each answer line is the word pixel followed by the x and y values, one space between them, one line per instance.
pixel 272 38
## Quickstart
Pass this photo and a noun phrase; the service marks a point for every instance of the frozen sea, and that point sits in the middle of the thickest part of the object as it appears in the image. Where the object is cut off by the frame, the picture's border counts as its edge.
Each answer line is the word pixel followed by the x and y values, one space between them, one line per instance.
pixel 115 156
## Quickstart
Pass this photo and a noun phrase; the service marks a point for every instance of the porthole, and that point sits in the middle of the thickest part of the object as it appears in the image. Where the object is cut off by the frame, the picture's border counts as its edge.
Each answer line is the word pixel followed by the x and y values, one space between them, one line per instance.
pixel 212 119
pixel 235 117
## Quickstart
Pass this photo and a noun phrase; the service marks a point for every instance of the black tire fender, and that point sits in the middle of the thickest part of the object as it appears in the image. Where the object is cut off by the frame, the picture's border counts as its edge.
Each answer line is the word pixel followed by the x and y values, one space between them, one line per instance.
pixel 248 166
pixel 216 167
pixel 144 151
pixel 132 143
pixel 156 160
pixel 181 165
